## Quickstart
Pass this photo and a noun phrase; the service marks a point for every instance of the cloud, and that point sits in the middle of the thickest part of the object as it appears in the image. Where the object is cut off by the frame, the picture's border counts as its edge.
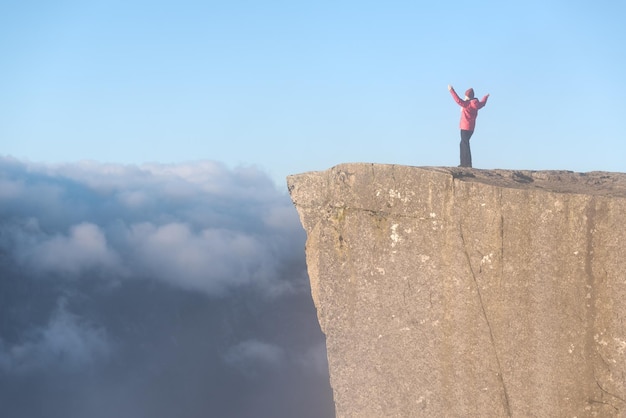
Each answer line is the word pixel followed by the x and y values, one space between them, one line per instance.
pixel 313 359
pixel 154 291
pixel 66 342
pixel 199 226
pixel 210 259
pixel 253 353
pixel 83 249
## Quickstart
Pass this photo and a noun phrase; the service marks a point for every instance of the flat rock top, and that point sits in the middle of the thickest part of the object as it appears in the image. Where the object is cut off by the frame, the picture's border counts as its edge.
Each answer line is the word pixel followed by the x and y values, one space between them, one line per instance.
pixel 599 183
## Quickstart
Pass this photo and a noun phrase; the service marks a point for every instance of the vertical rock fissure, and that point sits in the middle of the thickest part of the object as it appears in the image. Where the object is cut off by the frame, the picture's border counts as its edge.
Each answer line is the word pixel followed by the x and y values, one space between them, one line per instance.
pixel 591 314
pixel 484 313
pixel 591 318
pixel 491 337
pixel 501 240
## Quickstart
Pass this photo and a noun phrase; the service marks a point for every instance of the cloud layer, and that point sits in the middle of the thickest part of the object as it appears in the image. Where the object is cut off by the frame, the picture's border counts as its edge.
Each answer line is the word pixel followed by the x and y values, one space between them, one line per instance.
pixel 126 284
pixel 197 226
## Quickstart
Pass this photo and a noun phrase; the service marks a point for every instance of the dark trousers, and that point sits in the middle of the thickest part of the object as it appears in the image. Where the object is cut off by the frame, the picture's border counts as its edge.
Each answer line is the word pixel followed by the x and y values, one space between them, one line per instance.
pixel 466 154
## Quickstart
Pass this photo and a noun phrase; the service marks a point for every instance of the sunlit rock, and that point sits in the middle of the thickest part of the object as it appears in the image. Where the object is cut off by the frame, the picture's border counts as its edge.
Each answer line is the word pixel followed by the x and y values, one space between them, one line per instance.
pixel 454 292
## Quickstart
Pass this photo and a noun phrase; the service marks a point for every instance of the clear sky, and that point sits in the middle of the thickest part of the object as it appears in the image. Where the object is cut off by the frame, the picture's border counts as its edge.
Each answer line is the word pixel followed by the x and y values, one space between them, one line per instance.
pixel 291 86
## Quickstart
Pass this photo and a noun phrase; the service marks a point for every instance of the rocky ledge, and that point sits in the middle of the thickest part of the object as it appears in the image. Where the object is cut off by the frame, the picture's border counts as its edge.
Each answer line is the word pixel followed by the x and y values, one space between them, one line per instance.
pixel 454 292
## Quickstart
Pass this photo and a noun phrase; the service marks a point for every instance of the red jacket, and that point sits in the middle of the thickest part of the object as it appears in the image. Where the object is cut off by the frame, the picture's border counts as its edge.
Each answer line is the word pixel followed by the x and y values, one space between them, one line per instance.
pixel 469 111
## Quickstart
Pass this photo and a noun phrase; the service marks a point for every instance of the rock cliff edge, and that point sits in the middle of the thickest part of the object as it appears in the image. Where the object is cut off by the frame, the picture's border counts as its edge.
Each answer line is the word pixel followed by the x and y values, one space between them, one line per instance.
pixel 454 292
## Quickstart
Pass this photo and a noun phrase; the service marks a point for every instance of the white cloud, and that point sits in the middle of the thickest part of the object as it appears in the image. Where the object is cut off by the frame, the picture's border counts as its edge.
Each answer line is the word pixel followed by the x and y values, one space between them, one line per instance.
pixel 65 342
pixel 83 249
pixel 198 226
pixel 133 199
pixel 208 259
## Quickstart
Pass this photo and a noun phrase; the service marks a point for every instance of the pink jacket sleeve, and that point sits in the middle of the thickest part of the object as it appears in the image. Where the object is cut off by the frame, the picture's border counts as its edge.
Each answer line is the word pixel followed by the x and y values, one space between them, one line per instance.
pixel 457 99
pixel 483 102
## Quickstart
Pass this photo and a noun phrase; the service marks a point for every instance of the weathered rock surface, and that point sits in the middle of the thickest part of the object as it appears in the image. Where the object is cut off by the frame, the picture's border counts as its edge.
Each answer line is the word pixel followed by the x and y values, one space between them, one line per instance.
pixel 453 292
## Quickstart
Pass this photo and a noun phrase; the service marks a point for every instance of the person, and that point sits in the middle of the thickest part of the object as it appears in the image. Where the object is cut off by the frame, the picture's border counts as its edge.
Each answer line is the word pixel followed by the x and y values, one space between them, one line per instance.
pixel 469 112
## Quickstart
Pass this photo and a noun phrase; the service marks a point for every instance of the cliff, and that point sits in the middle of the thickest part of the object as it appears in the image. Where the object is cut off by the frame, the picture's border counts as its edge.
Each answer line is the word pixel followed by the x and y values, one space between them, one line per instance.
pixel 454 292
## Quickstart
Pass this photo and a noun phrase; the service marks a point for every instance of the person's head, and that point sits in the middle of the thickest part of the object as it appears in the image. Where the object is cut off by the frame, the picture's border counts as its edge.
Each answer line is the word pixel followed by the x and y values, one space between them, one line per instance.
pixel 469 94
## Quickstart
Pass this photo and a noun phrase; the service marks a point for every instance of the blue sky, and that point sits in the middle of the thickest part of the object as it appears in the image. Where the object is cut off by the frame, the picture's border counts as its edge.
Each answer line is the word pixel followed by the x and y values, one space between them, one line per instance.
pixel 297 86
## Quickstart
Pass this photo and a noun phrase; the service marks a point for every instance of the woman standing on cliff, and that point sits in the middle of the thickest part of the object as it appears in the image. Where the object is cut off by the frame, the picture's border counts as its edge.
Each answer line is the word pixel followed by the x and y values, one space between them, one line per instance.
pixel 469 112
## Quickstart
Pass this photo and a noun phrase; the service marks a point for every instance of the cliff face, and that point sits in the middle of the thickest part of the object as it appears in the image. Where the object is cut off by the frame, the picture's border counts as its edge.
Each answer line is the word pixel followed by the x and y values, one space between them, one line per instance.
pixel 451 292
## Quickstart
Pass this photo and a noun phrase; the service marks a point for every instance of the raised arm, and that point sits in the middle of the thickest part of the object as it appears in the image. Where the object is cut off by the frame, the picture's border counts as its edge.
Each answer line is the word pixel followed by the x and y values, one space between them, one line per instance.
pixel 483 102
pixel 456 97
